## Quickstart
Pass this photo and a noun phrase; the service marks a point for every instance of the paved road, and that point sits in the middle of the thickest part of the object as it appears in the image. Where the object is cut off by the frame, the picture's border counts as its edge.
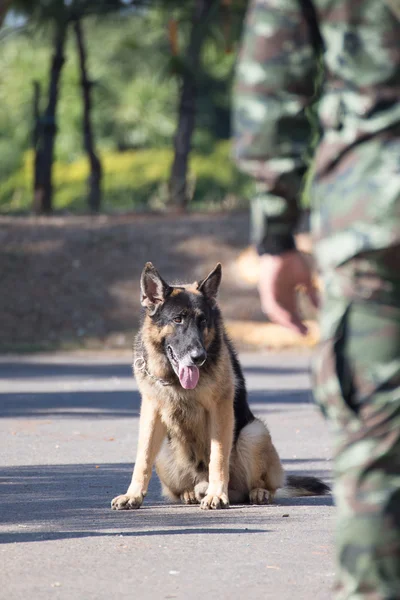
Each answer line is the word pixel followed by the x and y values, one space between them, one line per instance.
pixel 69 429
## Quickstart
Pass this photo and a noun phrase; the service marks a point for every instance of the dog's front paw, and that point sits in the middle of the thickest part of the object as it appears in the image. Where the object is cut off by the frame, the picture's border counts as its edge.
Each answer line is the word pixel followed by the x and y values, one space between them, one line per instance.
pixel 214 501
pixel 127 502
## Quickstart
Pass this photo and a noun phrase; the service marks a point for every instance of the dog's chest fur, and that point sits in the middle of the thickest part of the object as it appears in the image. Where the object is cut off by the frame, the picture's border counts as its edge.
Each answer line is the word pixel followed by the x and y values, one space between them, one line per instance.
pixel 187 424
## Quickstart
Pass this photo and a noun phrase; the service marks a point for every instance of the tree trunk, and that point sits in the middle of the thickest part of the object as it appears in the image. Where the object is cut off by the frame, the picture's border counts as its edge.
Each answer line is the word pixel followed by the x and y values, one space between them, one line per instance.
pixel 46 134
pixel 36 114
pixel 94 182
pixel 178 189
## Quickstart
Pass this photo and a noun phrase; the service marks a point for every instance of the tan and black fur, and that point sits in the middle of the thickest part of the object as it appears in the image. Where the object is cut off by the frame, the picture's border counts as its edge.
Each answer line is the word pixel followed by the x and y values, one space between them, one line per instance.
pixel 207 445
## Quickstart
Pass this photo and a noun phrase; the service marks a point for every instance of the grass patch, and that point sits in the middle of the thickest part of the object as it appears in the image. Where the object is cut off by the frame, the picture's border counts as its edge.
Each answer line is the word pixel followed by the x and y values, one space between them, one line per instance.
pixel 132 180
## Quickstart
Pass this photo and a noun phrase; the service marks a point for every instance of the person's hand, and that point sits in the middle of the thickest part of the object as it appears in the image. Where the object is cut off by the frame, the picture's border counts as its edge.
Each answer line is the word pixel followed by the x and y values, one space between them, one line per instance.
pixel 280 277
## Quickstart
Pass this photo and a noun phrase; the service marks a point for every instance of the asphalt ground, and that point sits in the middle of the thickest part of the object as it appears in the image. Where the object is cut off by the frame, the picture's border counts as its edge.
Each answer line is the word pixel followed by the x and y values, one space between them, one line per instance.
pixel 69 428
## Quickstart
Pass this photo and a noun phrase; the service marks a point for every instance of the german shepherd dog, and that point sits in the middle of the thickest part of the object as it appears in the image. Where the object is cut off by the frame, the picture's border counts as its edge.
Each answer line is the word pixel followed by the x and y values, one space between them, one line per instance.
pixel 195 421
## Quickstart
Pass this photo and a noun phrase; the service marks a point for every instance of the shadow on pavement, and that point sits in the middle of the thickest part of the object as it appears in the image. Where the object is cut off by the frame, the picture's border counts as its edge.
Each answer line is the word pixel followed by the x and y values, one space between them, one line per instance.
pixel 50 502
pixel 87 405
pixel 53 502
pixel 260 370
pixel 15 369
pixel 12 538
pixel 114 404
pixel 37 370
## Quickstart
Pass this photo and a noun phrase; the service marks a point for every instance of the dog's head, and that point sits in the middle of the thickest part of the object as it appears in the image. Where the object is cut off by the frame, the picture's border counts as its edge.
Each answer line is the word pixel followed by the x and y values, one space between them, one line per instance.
pixel 184 319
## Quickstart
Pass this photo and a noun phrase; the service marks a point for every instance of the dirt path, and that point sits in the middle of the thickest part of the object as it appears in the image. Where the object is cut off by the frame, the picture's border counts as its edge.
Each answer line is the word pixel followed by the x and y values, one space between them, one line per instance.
pixel 74 281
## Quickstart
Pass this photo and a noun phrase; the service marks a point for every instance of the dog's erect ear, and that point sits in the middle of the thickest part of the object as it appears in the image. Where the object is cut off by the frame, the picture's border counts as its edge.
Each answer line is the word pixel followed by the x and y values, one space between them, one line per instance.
pixel 209 286
pixel 153 289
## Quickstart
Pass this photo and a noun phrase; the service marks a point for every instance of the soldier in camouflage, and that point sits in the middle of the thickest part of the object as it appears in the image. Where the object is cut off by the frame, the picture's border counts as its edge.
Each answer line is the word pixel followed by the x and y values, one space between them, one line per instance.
pixel 356 233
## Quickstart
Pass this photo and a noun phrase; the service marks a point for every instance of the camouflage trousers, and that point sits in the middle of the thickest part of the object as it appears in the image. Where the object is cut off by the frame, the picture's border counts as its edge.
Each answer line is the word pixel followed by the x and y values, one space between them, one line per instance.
pixel 357 385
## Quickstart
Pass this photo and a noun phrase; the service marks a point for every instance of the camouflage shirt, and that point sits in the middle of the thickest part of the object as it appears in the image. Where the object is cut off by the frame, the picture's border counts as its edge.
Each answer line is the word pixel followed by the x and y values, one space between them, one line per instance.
pixel 287 45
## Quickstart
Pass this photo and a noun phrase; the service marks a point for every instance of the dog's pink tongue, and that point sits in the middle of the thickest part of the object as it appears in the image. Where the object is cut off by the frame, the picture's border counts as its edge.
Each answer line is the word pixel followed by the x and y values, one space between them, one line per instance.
pixel 189 377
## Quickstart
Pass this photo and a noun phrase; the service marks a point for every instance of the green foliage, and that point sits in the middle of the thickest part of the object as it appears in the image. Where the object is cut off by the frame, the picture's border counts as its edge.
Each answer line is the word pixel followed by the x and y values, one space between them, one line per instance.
pixel 128 70
pixel 133 180
pixel 135 99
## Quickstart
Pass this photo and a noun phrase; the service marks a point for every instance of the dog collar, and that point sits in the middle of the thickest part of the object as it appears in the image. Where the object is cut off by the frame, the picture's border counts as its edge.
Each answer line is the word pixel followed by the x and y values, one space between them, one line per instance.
pixel 140 365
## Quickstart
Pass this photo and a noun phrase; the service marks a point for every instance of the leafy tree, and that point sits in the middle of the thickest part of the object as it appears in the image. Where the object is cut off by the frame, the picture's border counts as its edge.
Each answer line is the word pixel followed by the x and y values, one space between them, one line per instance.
pixel 59 14
pixel 47 127
pixel 202 9
pixel 211 20
pixel 136 84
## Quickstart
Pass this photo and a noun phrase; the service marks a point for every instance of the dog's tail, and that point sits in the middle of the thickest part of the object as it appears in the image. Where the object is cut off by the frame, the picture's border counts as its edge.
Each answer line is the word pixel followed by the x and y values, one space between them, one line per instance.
pixel 303 485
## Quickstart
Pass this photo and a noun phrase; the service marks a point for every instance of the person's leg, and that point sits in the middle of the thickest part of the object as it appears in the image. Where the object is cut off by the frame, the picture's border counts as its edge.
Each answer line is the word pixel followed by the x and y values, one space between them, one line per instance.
pixel 358 386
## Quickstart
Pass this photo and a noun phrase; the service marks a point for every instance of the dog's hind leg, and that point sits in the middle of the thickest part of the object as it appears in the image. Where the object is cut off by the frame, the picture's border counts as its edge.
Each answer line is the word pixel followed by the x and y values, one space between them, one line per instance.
pixel 200 490
pixel 177 475
pixel 256 470
pixel 167 493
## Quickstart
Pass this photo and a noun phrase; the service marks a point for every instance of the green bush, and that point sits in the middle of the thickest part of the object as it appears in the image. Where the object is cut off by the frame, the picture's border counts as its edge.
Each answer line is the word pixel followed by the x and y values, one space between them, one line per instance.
pixel 132 180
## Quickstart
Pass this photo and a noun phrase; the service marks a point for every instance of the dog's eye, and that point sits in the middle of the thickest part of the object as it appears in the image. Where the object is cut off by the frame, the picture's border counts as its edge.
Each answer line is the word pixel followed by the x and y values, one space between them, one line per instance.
pixel 203 322
pixel 177 319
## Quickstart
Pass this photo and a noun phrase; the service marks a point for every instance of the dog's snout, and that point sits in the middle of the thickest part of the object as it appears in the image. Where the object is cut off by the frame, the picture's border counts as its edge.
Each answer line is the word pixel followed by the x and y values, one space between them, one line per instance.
pixel 198 356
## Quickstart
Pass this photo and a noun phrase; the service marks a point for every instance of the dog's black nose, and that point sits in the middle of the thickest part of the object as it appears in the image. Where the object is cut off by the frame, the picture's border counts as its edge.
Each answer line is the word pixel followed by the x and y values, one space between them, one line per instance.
pixel 198 356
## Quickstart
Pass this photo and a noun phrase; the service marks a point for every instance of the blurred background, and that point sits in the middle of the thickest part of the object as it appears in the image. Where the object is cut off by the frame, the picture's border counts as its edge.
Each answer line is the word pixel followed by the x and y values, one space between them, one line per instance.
pixel 114 150
pixel 101 88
